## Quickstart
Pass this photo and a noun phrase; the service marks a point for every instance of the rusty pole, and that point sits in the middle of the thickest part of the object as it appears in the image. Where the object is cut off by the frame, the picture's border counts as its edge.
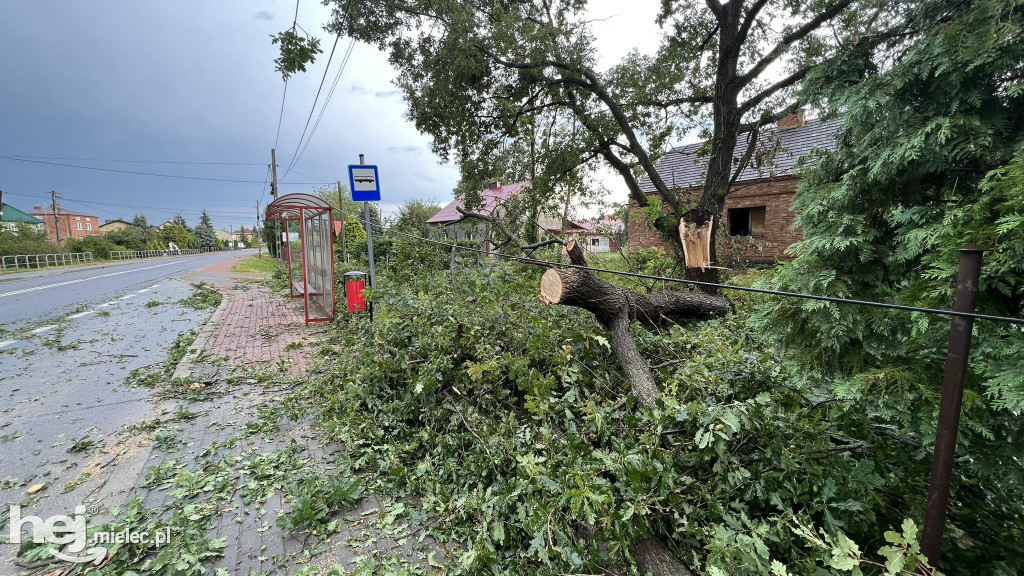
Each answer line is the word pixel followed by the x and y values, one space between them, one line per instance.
pixel 957 354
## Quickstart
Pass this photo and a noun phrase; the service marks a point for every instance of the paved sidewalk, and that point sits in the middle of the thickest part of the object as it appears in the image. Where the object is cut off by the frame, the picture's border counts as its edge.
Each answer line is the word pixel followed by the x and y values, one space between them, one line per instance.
pixel 258 329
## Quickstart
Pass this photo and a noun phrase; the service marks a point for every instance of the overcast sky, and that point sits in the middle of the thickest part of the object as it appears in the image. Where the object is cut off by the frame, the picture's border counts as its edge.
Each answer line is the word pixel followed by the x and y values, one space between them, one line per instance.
pixel 195 82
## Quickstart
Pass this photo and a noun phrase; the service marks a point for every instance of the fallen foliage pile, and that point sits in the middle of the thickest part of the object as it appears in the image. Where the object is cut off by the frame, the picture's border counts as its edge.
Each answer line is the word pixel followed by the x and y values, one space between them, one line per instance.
pixel 510 423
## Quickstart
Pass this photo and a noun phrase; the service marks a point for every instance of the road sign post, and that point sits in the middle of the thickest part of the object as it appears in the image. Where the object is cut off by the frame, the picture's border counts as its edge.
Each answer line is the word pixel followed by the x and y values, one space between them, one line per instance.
pixel 365 187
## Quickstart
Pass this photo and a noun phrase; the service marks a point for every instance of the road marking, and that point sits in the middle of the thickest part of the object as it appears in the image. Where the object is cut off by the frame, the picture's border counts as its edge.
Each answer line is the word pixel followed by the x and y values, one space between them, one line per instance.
pixel 126 296
pixel 7 343
pixel 109 274
pixel 42 329
pixel 143 290
pixel 105 304
pixel 154 286
pixel 80 314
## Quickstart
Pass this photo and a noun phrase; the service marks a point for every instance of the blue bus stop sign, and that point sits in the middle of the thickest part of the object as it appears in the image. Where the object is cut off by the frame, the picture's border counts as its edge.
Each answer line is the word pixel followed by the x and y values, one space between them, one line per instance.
pixel 363 183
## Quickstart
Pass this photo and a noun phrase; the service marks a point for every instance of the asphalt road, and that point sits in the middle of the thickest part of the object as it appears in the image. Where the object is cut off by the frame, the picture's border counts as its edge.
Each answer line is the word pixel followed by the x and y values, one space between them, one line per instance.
pixel 29 298
pixel 72 338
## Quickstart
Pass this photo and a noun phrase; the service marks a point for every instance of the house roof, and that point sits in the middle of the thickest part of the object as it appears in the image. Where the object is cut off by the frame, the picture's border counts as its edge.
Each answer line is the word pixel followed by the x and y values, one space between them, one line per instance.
pixel 683 168
pixel 61 211
pixel 11 214
pixel 491 198
pixel 602 226
pixel 115 221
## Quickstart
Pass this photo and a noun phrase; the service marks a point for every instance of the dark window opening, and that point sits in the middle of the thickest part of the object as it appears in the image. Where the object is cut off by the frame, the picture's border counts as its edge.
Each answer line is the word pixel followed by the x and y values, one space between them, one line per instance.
pixel 746 221
pixel 595 242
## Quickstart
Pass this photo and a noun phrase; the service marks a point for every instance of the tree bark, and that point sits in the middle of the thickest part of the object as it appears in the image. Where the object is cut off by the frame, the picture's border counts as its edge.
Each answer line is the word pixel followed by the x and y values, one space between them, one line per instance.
pixel 652 557
pixel 616 308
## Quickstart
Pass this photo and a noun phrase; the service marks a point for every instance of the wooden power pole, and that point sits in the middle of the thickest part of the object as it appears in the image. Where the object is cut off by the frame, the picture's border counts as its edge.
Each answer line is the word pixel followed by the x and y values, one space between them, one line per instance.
pixel 257 229
pixel 56 218
pixel 273 192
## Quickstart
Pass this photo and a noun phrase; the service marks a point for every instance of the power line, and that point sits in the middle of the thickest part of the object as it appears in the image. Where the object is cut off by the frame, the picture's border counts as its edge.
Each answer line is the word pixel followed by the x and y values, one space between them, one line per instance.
pixel 136 173
pixel 312 109
pixel 832 299
pixel 116 160
pixel 327 100
pixel 230 210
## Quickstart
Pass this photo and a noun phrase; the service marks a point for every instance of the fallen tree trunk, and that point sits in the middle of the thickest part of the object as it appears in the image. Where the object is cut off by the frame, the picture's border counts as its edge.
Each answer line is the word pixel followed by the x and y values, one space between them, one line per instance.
pixel 616 308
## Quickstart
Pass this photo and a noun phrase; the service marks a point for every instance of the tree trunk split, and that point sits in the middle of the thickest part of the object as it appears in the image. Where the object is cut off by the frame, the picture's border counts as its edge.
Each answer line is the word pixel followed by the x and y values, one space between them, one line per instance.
pixel 696 240
pixel 616 308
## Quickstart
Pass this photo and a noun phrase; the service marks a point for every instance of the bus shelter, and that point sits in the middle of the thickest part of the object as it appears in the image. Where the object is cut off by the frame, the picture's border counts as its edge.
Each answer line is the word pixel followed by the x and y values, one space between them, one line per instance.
pixel 308 246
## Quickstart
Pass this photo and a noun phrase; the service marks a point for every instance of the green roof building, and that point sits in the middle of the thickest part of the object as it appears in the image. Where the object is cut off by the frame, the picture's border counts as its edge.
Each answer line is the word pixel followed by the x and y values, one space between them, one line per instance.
pixel 10 216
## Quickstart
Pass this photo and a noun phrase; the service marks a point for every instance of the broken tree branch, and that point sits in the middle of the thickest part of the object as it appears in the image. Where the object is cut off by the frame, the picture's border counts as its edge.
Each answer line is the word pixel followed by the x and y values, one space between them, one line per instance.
pixel 616 308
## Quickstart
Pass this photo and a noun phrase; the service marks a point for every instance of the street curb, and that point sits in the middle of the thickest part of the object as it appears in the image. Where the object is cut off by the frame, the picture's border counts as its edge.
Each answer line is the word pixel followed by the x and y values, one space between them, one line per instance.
pixel 184 367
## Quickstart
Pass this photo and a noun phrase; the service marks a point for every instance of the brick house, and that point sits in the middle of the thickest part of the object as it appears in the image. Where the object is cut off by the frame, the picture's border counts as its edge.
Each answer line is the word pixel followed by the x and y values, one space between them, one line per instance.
pixel 595 236
pixel 72 224
pixel 757 211
pixel 493 202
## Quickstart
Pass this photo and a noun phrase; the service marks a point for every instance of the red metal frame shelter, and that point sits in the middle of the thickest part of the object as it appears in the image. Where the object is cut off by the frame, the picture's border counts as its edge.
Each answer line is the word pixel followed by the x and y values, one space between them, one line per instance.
pixel 316 246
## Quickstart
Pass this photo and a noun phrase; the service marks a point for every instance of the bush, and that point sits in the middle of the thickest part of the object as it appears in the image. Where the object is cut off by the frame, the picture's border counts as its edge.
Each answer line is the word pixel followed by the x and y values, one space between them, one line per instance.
pixel 511 423
pixel 25 239
pixel 100 246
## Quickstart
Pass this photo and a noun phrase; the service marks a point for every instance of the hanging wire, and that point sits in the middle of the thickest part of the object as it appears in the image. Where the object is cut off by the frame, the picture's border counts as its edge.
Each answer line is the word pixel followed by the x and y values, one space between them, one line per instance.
pixel 818 297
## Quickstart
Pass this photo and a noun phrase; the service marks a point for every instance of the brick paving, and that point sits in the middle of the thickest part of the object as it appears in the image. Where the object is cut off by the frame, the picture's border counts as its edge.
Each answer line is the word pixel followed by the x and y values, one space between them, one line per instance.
pixel 259 329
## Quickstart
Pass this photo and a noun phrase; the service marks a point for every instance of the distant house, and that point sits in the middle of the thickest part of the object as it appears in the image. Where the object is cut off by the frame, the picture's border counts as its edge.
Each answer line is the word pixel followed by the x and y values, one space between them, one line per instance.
pixel 236 233
pixel 112 225
pixel 493 200
pixel 11 217
pixel 72 224
pixel 224 235
pixel 599 236
pixel 759 205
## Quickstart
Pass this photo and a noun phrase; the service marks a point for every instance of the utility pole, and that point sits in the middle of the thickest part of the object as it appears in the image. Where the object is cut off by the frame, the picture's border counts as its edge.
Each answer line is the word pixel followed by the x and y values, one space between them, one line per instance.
pixel 341 208
pixel 2 202
pixel 273 192
pixel 56 218
pixel 257 228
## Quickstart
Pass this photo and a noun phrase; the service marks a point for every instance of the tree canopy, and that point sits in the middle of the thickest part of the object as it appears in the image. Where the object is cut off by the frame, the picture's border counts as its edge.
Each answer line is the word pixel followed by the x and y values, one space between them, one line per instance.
pixel 480 77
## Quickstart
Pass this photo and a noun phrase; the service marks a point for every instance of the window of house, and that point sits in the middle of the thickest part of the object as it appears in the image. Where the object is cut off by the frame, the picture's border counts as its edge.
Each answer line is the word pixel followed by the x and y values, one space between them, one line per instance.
pixel 746 221
pixel 78 217
pixel 78 225
pixel 470 236
pixel 595 242
pixel 88 225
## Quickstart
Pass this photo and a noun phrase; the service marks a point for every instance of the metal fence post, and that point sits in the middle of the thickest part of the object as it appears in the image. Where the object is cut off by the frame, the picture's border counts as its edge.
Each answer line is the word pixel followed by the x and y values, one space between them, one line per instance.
pixel 957 355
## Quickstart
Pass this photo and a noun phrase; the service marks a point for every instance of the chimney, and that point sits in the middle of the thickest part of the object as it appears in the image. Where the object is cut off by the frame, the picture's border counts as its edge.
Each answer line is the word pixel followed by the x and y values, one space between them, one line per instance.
pixel 37 207
pixel 493 185
pixel 793 120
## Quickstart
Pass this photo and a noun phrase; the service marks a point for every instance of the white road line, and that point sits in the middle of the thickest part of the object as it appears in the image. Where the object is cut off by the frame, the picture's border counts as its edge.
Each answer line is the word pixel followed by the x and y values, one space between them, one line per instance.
pixel 109 274
pixel 143 290
pixel 154 286
pixel 126 296
pixel 80 314
pixel 105 304
pixel 7 343
pixel 42 329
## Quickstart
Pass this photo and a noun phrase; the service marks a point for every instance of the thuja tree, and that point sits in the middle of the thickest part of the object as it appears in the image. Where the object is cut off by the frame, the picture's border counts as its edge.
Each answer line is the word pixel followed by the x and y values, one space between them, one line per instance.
pixel 931 159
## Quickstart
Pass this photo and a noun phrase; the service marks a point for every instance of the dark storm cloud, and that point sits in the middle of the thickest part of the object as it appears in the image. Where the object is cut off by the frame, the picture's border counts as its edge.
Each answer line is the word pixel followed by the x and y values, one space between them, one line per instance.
pixel 197 85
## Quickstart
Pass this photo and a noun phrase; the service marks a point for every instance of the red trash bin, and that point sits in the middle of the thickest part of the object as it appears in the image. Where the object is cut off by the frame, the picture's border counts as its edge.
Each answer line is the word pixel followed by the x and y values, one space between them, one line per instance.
pixel 354 285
